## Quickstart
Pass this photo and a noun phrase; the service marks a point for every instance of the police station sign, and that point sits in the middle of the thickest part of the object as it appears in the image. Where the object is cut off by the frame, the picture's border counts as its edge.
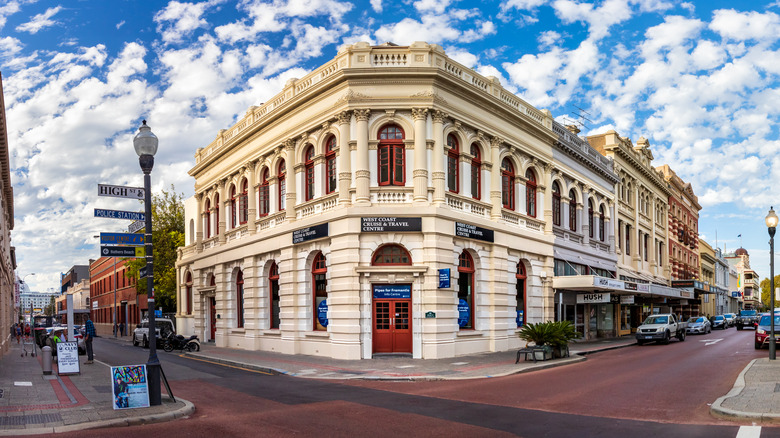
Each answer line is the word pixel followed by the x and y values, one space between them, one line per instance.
pixel 593 298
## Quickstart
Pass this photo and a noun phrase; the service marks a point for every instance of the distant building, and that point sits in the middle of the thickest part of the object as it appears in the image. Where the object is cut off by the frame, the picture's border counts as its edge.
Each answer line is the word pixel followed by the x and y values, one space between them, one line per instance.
pixel 747 278
pixel 112 294
pixel 74 275
pixel 36 302
pixel 9 287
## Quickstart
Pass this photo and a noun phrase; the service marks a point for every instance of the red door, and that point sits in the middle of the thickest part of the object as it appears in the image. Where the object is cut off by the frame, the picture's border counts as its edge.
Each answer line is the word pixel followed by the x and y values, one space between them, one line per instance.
pixel 392 326
pixel 213 317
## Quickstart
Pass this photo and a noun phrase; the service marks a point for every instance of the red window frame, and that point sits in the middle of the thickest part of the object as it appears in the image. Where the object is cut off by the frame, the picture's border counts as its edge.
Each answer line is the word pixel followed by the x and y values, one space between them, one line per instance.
pixel 243 203
pixel 262 195
pixel 530 193
pixel 240 300
pixel 331 177
pixel 318 267
pixel 476 172
pixel 282 189
pixel 556 204
pixel 466 267
pixel 233 207
pixel 308 162
pixel 453 180
pixel 521 277
pixel 216 214
pixel 273 285
pixel 507 184
pixel 590 218
pixel 391 156
pixel 207 218
pixel 188 292
pixel 391 255
pixel 572 210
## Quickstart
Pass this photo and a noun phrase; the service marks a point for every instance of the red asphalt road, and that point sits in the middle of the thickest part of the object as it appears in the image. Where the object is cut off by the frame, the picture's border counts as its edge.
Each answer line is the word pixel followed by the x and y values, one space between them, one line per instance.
pixel 672 383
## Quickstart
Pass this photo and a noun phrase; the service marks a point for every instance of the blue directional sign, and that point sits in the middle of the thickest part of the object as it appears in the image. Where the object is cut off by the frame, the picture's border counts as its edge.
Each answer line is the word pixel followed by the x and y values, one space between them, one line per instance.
pixel 118 214
pixel 121 239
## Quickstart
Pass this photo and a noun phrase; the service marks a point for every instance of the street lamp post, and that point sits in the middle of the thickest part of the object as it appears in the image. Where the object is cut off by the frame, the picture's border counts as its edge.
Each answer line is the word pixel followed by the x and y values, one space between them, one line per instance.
pixel 771 223
pixel 145 144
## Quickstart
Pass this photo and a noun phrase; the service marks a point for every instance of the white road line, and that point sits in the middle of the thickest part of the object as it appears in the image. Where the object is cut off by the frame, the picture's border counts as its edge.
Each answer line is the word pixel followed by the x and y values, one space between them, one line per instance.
pixel 710 341
pixel 749 432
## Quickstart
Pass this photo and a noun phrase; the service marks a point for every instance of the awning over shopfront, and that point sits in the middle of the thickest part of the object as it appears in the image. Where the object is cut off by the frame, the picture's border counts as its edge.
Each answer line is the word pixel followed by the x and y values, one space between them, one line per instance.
pixel 698 286
pixel 594 282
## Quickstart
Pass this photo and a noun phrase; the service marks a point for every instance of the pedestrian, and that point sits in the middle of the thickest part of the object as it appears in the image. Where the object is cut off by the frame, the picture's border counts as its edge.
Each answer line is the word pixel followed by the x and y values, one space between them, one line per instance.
pixel 18 333
pixel 27 332
pixel 121 328
pixel 89 333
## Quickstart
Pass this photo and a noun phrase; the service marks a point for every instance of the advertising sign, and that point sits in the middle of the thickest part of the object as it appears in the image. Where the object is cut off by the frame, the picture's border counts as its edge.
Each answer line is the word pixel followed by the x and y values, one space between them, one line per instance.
pixel 121 239
pixel 520 318
pixel 593 298
pixel 473 232
pixel 464 313
pixel 67 358
pixel 119 214
pixel 736 294
pixel 392 291
pixel 382 224
pixel 626 299
pixel 322 313
pixel 120 191
pixel 444 278
pixel 310 233
pixel 129 387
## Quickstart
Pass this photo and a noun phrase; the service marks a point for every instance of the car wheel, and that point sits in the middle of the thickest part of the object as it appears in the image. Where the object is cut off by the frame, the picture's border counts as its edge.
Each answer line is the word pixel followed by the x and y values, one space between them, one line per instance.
pixel 640 342
pixel 739 327
pixel 758 345
pixel 666 338
pixel 681 337
pixel 146 342
pixel 135 341
pixel 709 330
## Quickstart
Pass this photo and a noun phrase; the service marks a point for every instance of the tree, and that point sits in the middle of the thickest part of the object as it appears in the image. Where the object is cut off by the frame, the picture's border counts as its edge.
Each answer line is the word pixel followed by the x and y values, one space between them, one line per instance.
pixel 765 297
pixel 49 309
pixel 167 237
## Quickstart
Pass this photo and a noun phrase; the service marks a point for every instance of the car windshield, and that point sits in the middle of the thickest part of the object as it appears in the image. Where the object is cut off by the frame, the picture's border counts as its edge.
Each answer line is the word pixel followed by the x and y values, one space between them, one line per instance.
pixel 718 318
pixel 747 313
pixel 695 319
pixel 657 320
pixel 765 320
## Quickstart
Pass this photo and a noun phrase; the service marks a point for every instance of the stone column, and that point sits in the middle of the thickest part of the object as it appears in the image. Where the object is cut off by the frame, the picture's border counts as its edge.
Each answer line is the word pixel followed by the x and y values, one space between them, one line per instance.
pixel 251 198
pixel 289 170
pixel 495 178
pixel 438 158
pixel 199 224
pixel 222 226
pixel 345 162
pixel 362 172
pixel 420 116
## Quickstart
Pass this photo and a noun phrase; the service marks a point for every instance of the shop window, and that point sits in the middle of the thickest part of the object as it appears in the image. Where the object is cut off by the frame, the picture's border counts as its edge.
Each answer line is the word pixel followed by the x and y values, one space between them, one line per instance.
pixel 319 270
pixel 391 255
pixel 240 300
pixel 281 172
pixel 507 184
pixel 556 204
pixel 308 162
pixel 572 210
pixel 476 172
pixel 273 284
pixel 590 218
pixel 452 164
pixel 331 177
pixel 243 203
pixel 188 294
pixel 391 156
pixel 465 291
pixel 521 277
pixel 530 193
pixel 262 193
pixel 601 223
pixel 233 207
pixel 207 218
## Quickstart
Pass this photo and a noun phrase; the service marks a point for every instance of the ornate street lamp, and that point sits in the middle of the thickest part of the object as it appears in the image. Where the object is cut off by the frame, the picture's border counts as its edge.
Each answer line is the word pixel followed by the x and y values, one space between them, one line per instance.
pixel 771 223
pixel 145 144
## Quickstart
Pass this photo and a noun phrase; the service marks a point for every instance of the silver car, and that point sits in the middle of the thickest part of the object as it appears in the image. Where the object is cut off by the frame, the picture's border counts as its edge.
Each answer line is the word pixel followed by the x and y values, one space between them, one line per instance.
pixel 699 324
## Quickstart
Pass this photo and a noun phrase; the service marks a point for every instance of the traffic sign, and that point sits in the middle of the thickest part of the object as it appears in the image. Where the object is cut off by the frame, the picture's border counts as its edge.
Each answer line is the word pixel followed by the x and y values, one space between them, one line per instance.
pixel 142 272
pixel 121 239
pixel 136 226
pixel 122 251
pixel 118 214
pixel 120 191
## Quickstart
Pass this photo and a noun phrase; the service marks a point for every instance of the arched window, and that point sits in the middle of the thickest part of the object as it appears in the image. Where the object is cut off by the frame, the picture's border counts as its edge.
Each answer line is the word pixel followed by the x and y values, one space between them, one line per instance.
pixel 273 285
pixel 391 156
pixel 240 300
pixel 465 291
pixel 319 270
pixel 507 184
pixel 308 162
pixel 572 210
pixel 556 204
pixel 281 172
pixel 331 176
pixel 530 192
pixel 216 214
pixel 452 163
pixel 188 294
pixel 391 255
pixel 476 172
pixel 591 231
pixel 521 276
pixel 262 193
pixel 207 218
pixel 233 207
pixel 243 203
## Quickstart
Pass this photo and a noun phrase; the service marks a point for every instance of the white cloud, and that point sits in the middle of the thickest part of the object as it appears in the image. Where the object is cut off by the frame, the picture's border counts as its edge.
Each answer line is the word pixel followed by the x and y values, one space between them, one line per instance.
pixel 522 4
pixel 741 26
pixel 39 21
pixel 435 6
pixel 599 19
pixel 548 38
pixel 179 20
pixel 9 8
pixel 376 5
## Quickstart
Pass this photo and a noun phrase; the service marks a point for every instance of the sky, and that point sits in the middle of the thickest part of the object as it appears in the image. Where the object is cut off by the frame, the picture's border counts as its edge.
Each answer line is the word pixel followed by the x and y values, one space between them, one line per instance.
pixel 700 80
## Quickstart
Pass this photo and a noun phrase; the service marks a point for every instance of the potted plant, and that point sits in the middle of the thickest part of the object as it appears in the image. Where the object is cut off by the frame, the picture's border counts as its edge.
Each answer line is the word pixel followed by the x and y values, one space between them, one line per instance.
pixel 552 336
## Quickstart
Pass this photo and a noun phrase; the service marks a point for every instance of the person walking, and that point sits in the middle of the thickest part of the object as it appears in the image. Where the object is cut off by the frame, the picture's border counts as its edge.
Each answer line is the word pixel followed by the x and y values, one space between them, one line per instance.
pixel 121 328
pixel 89 333
pixel 18 333
pixel 27 332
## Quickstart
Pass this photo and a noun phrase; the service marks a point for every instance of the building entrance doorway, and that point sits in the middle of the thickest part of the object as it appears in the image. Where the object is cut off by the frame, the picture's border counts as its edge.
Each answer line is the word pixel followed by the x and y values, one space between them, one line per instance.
pixel 392 311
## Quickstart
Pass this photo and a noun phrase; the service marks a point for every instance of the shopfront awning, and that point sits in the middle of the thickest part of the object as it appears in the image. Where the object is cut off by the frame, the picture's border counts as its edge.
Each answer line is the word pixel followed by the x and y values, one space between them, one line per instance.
pixel 596 283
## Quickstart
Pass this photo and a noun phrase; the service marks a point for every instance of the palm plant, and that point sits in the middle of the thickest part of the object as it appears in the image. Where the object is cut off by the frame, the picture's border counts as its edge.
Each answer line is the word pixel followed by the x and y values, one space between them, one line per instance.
pixel 553 333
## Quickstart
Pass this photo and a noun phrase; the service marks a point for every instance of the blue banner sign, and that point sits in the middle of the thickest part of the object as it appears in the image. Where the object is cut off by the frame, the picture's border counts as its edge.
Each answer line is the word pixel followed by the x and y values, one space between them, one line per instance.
pixel 736 294
pixel 322 313
pixel 121 239
pixel 444 278
pixel 520 319
pixel 464 313
pixel 118 214
pixel 392 291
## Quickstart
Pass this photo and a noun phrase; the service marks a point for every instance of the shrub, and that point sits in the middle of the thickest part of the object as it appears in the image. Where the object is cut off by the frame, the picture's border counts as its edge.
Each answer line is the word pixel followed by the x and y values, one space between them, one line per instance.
pixel 552 333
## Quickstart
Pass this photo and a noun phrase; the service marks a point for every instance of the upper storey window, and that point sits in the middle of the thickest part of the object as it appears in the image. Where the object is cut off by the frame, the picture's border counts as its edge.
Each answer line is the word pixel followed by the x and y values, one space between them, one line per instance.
pixel 556 204
pixel 207 218
pixel 530 192
pixel 233 207
pixel 476 169
pixel 391 255
pixel 507 184
pixel 282 184
pixel 452 164
pixel 264 203
pixel 330 165
pixel 391 156
pixel 243 203
pixel 572 210
pixel 308 162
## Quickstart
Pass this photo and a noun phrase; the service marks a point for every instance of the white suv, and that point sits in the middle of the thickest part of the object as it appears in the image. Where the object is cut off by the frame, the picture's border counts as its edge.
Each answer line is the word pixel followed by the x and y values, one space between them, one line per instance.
pixel 162 325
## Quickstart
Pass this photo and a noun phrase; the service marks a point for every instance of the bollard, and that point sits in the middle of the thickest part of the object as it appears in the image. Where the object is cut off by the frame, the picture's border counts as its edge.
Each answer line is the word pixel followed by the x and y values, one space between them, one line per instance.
pixel 46 359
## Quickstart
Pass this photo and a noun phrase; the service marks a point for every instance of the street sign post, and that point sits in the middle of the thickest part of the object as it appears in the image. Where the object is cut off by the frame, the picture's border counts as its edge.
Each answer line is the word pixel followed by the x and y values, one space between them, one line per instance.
pixel 136 227
pixel 120 191
pixel 118 214
pixel 121 239
pixel 142 272
pixel 122 251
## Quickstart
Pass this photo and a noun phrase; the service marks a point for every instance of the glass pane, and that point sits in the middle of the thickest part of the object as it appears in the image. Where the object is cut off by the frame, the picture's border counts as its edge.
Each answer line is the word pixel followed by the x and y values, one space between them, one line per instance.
pixel 382 316
pixel 402 315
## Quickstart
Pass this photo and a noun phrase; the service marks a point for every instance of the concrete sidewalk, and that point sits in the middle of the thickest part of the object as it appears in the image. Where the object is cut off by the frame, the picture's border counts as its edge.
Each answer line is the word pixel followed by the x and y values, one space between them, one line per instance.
pixel 33 403
pixel 755 395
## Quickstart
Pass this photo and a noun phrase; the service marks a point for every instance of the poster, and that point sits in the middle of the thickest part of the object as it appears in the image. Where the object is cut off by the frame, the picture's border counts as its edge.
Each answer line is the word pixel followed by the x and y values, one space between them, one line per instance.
pixel 129 387
pixel 68 358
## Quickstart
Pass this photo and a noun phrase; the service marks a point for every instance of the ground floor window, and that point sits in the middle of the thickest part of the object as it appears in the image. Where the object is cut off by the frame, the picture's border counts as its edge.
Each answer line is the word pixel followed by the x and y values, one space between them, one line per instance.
pixel 319 269
pixel 273 282
pixel 466 292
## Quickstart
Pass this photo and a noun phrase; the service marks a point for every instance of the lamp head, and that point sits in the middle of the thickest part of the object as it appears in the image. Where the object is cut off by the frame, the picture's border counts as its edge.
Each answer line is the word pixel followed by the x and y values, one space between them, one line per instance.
pixel 771 218
pixel 145 142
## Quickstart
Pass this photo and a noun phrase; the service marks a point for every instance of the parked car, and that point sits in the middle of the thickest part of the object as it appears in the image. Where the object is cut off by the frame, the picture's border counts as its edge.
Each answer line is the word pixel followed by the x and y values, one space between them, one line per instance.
pixel 746 318
pixel 661 328
pixel 163 327
pixel 719 321
pixel 763 329
pixel 698 324
pixel 731 318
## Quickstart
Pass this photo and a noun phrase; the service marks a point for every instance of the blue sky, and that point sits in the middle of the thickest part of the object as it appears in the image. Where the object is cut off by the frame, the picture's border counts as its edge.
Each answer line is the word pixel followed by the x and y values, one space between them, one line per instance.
pixel 698 79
